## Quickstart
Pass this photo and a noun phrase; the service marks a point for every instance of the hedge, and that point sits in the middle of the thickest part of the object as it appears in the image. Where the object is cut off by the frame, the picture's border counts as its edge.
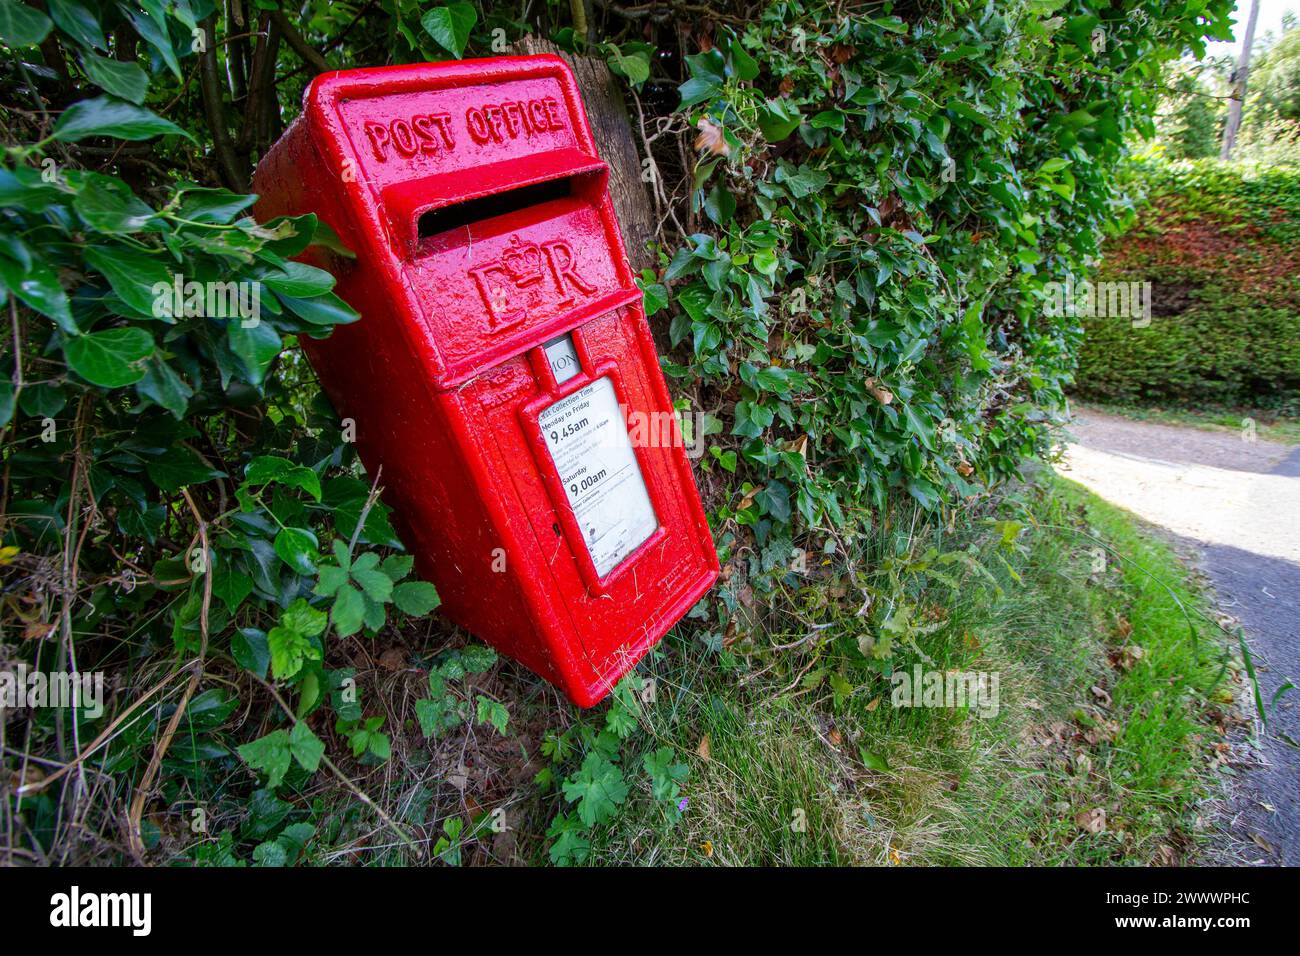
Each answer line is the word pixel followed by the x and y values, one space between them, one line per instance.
pixel 1218 243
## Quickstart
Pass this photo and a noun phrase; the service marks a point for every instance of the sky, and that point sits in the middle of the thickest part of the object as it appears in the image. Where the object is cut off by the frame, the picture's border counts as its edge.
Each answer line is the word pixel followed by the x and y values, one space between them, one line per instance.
pixel 1270 18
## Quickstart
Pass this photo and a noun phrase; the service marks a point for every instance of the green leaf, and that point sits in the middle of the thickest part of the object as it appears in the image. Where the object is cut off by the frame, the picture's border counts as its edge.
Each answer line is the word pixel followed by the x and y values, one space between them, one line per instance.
pixel 39 287
pixel 165 387
pixel 20 25
pixel 330 578
pixel 289 650
pixel 122 79
pixel 450 26
pixel 178 467
pixel 250 650
pixel 267 469
pixel 492 712
pixel 298 279
pixel 397 566
pixel 348 611
pixel 297 547
pixel 270 754
pixel 256 346
pixel 107 116
pixel 78 22
pixel 873 761
pixel 303 618
pixel 217 206
pixel 108 205
pixel 416 598
pixel 476 658
pixel 112 358
pixel 598 788
pixel 376 585
pixel 142 281
pixel 326 309
pixel 778 119
pixel 306 747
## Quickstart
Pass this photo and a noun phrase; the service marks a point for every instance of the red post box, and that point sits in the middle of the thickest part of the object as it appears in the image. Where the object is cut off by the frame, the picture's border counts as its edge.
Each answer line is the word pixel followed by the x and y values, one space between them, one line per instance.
pixel 502 372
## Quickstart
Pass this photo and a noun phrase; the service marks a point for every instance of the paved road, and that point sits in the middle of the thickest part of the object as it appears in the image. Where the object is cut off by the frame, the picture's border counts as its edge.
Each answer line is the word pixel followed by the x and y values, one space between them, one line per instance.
pixel 1238 503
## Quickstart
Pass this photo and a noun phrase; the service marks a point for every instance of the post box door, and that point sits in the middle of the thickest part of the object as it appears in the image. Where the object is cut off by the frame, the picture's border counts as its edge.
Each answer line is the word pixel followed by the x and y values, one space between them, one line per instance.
pixel 616 539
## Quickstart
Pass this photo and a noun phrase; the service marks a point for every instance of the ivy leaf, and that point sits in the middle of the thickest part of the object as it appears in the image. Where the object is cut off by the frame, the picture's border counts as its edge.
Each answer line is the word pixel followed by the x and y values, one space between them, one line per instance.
pixel 416 598
pixel 598 788
pixel 39 287
pixel 107 116
pixel 256 345
pixel 122 79
pixel 165 387
pixel 179 466
pixel 297 547
pixel 20 25
pixel 112 358
pixel 251 651
pixel 778 119
pixel 450 26
pixel 266 469
pixel 142 281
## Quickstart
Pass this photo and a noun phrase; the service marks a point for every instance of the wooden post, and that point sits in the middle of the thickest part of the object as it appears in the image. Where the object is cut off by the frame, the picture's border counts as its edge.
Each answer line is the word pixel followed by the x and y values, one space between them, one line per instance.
pixel 612 127
pixel 1239 78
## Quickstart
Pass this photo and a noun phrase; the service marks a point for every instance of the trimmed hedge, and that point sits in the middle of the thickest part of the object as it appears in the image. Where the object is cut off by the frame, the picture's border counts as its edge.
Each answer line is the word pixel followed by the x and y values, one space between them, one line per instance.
pixel 1219 246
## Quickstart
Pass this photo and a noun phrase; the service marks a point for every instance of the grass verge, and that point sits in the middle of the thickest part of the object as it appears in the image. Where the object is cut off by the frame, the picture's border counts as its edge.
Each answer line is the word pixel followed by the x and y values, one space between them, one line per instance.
pixel 1111 707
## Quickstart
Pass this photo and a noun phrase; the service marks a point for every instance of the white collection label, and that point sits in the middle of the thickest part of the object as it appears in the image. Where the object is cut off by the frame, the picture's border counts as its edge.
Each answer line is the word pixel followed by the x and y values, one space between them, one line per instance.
pixel 588 441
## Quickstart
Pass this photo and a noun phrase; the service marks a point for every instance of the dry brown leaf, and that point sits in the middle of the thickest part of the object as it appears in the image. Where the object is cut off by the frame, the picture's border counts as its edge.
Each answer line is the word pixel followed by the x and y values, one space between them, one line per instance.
pixel 883 395
pixel 710 138
pixel 1091 821
pixel 842 52
pixel 703 750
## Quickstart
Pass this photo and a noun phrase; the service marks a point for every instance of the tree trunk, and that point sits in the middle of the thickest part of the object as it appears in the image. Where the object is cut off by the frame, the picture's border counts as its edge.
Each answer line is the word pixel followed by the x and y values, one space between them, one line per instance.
pixel 1239 77
pixel 611 127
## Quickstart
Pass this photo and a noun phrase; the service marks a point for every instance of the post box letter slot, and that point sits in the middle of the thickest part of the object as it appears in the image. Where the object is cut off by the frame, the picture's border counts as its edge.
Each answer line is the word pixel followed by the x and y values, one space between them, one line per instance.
pixel 587 438
pixel 446 218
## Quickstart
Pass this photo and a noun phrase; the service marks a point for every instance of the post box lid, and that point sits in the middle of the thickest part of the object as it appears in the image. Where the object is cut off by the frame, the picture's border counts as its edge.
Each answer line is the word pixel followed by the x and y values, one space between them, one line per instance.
pixel 407 141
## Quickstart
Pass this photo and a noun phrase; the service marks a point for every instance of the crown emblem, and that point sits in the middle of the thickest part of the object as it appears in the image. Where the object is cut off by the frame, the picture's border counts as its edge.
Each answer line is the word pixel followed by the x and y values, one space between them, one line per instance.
pixel 523 262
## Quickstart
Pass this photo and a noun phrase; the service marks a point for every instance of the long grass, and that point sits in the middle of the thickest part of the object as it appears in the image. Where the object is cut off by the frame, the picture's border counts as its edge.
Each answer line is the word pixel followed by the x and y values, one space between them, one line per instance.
pixel 1110 703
